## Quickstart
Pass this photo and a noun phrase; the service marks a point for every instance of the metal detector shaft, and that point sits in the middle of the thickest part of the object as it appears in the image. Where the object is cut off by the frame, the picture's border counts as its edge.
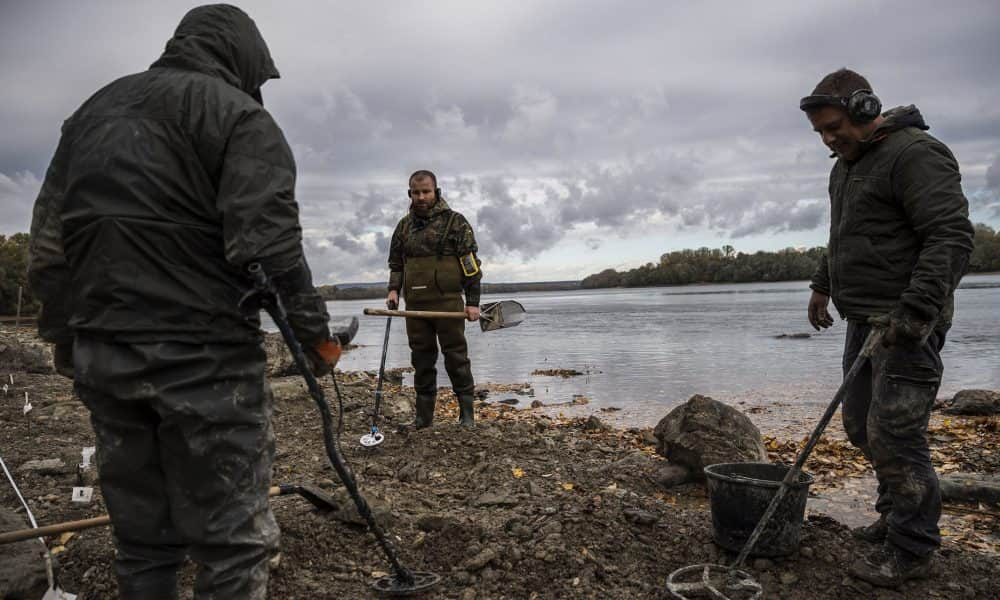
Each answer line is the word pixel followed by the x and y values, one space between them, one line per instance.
pixel 873 340
pixel 420 314
pixel 272 304
pixel 381 375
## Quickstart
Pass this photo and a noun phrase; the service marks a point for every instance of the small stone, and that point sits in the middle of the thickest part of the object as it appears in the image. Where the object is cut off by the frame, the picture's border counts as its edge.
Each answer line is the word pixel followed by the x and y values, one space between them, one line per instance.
pixel 788 578
pixel 763 564
pixel 594 424
pixel 807 551
pixel 48 466
pixel 480 560
pixel 275 561
pixel 469 594
pixel 536 404
pixel 640 517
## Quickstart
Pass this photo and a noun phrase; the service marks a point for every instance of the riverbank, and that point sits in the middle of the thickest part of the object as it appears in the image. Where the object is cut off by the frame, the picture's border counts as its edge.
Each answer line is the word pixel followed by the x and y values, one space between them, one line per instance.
pixel 527 505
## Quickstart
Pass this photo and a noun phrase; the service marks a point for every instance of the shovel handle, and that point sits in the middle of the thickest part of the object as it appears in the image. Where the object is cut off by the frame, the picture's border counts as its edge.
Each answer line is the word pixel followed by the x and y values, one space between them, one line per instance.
pixel 419 314
pixel 26 534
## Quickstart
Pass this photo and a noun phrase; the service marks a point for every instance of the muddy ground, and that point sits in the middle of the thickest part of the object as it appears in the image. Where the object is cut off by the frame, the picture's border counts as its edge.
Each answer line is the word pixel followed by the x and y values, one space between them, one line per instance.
pixel 523 506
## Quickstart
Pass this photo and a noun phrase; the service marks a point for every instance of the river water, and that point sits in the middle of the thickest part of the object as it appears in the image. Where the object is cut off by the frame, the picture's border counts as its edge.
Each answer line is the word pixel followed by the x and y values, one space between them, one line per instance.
pixel 645 350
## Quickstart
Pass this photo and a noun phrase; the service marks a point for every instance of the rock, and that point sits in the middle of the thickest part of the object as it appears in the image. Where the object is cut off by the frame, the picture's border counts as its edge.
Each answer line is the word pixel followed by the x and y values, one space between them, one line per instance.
pixel 348 511
pixel 431 522
pixel 480 560
pixel 807 551
pixel 509 401
pixel 763 564
pixel 288 388
pixel 22 570
pixel 703 431
pixel 498 498
pixel 974 403
pixel 671 475
pixel 647 437
pixel 793 336
pixel 48 466
pixel 536 404
pixel 595 424
pixel 640 517
pixel 975 487
pixel 789 578
pixel 30 357
pixel 279 359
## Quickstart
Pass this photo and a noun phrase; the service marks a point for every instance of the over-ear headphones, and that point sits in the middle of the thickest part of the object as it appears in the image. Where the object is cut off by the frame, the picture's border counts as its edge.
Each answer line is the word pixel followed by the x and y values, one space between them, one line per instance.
pixel 862 106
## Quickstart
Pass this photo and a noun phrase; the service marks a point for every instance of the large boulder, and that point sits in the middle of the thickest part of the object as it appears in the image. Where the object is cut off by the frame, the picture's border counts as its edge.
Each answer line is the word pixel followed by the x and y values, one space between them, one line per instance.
pixel 703 432
pixel 974 402
pixel 22 570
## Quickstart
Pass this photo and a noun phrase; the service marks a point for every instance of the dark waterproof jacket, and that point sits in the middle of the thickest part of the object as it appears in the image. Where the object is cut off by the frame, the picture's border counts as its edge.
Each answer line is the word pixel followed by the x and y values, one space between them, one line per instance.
pixel 443 232
pixel 900 235
pixel 165 186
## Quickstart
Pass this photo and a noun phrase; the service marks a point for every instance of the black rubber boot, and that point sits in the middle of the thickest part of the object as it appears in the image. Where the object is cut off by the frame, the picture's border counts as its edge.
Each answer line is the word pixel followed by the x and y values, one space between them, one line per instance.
pixel 466 413
pixel 425 411
pixel 874 533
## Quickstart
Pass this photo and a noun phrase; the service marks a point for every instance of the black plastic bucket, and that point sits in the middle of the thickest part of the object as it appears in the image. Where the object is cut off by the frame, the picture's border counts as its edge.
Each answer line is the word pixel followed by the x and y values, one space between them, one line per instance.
pixel 739 494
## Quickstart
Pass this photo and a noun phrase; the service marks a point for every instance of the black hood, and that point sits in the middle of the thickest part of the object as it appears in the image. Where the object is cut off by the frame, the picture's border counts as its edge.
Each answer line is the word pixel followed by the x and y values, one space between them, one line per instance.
pixel 900 118
pixel 222 41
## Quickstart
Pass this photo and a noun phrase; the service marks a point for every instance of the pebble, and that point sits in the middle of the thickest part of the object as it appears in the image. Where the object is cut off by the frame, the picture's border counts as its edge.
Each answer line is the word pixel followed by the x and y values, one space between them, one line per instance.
pixel 807 551
pixel 763 564
pixel 788 578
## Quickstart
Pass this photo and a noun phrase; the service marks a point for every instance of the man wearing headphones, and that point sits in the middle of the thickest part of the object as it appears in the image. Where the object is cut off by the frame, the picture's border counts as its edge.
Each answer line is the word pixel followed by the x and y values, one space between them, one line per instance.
pixel 433 263
pixel 900 240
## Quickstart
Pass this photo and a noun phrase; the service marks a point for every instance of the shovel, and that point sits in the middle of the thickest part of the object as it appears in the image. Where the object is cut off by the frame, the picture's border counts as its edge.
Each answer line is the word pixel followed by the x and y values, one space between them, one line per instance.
pixel 321 500
pixel 492 316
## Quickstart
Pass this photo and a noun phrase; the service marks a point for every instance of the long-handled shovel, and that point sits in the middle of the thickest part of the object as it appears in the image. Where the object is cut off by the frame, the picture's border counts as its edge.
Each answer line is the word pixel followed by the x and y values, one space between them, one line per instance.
pixel 492 316
pixel 731 579
pixel 314 495
pixel 402 581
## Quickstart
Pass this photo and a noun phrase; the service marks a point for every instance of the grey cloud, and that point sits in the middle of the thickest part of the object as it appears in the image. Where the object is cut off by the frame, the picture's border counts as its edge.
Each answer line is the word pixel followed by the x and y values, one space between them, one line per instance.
pixel 993 175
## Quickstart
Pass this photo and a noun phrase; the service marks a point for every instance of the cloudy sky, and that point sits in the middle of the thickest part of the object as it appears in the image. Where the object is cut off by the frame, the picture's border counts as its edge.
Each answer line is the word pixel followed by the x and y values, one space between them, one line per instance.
pixel 575 135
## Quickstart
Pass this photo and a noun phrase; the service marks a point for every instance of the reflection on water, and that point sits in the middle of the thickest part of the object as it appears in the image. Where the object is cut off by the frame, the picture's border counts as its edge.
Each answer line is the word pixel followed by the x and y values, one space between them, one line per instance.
pixel 645 350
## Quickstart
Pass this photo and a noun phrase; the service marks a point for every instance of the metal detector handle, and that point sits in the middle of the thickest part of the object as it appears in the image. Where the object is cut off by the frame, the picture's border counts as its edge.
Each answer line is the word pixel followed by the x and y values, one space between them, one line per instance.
pixel 419 314
pixel 871 343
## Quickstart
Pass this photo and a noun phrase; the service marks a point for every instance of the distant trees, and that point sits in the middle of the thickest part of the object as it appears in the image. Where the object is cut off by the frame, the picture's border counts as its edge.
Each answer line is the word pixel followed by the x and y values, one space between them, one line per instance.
pixel 14 274
pixel 725 265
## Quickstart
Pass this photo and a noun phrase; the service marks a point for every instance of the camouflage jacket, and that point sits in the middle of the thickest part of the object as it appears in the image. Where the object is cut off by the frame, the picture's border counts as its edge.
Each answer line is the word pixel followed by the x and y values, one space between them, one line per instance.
pixel 421 236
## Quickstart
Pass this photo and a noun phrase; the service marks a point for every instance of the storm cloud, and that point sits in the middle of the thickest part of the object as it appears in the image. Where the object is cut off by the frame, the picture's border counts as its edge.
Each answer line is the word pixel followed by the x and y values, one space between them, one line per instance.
pixel 560 129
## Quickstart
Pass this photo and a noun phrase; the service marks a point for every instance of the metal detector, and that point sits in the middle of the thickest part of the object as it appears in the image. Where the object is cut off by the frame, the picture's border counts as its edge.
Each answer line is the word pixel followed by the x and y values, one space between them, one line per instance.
pixel 402 581
pixel 375 437
pixel 730 583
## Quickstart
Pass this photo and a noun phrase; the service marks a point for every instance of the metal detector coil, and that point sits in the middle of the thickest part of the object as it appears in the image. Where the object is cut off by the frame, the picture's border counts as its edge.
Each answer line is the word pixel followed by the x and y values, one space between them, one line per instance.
pixel 394 585
pixel 713 581
pixel 374 438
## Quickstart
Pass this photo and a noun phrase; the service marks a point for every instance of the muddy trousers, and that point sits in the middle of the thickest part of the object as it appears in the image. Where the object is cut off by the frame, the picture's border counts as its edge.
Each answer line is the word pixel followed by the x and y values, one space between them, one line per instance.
pixel 886 411
pixel 424 335
pixel 184 455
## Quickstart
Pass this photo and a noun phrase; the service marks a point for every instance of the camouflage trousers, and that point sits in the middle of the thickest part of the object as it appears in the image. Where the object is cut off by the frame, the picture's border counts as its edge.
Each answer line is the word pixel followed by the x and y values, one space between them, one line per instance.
pixel 424 335
pixel 184 455
pixel 886 412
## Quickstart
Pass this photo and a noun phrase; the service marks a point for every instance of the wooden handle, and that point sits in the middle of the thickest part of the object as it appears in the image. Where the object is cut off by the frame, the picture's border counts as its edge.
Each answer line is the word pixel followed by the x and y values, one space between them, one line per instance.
pixel 420 314
pixel 26 534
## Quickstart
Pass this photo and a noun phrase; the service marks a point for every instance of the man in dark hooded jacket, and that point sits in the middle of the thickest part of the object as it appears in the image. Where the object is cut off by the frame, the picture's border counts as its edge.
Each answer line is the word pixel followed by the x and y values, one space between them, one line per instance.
pixel 166 185
pixel 900 240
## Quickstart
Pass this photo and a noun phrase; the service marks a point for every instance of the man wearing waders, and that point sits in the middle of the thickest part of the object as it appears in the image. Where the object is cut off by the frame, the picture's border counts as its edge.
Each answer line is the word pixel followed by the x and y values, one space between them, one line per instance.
pixel 900 240
pixel 165 186
pixel 433 263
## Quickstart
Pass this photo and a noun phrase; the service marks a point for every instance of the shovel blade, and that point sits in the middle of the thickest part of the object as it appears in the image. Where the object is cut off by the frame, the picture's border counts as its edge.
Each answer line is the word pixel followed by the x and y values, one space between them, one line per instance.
pixel 501 315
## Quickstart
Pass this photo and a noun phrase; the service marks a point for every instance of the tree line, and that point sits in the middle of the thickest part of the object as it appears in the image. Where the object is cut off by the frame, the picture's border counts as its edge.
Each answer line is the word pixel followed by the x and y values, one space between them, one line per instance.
pixel 726 265
pixel 704 265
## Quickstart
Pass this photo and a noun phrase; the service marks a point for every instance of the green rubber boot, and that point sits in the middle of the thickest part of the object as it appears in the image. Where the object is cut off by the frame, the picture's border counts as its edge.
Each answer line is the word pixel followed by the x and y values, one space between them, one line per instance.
pixel 466 413
pixel 425 411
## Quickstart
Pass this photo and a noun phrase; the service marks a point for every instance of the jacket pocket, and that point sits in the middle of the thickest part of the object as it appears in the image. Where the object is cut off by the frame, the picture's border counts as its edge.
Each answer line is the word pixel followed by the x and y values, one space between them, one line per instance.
pixel 418 281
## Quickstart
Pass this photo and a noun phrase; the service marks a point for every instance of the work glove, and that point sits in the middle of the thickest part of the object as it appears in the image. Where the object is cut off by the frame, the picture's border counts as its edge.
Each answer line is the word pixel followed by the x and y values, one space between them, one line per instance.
pixel 62 359
pixel 323 357
pixel 902 328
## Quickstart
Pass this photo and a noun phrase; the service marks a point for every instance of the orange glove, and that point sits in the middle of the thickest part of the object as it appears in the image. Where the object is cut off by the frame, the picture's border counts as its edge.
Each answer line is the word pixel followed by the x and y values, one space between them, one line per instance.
pixel 324 356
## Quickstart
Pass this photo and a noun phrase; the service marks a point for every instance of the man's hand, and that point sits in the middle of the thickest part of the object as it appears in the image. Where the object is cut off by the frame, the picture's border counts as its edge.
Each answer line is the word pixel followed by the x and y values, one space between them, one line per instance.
pixel 904 329
pixel 472 313
pixel 324 357
pixel 62 359
pixel 819 316
pixel 392 300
